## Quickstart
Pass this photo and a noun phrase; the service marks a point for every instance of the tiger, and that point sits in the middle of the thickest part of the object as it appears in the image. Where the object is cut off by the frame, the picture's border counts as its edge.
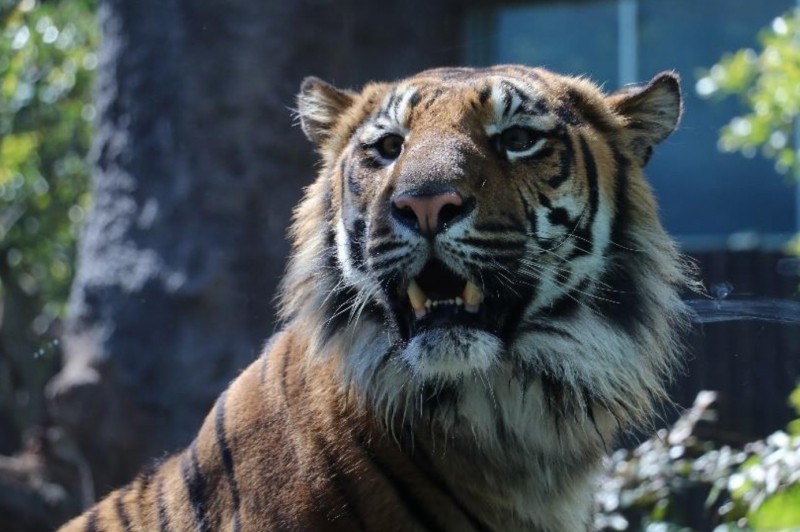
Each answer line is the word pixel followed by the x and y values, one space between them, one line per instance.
pixel 480 297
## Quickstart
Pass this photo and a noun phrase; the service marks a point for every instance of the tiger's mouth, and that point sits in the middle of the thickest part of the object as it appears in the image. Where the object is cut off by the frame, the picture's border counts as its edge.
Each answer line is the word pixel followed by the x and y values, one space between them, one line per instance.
pixel 437 290
pixel 439 297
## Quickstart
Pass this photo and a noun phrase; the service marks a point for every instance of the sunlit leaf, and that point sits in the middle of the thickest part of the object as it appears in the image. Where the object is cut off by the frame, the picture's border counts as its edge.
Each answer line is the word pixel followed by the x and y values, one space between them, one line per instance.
pixel 779 511
pixel 768 83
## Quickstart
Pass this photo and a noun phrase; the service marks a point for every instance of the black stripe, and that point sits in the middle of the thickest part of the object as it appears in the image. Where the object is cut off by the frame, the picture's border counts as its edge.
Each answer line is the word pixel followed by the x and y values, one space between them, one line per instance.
pixel 621 221
pixel 598 118
pixel 507 100
pixel 388 261
pixel 483 96
pixel 524 101
pixel 425 464
pixel 144 482
pixel 396 106
pixel 591 178
pixel 628 307
pixel 371 163
pixel 555 396
pixel 410 501
pixel 431 99
pixel 330 240
pixel 196 487
pixel 384 112
pixel 560 216
pixel 537 327
pixel 414 100
pixel 494 227
pixel 340 305
pixel 380 230
pixel 544 201
pixel 567 305
pixel 119 507
pixel 562 275
pixel 530 212
pixel 339 480
pixel 227 459
pixel 492 244
pixel 383 247
pixel 492 258
pixel 588 400
pixel 565 161
pixel 349 174
pixel 91 521
pixel 356 242
pixel 163 517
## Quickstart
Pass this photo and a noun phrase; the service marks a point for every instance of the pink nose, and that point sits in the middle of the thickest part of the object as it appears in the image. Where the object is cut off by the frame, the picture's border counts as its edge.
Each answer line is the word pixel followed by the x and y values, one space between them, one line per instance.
pixel 427 214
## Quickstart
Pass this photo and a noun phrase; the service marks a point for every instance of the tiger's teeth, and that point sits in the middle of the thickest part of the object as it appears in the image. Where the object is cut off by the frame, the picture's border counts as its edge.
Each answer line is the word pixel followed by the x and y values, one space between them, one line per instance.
pixel 472 297
pixel 418 299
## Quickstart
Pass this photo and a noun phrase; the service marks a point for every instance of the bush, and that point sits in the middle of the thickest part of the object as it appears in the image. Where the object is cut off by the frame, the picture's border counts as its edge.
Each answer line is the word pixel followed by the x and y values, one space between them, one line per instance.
pixel 47 59
pixel 685 479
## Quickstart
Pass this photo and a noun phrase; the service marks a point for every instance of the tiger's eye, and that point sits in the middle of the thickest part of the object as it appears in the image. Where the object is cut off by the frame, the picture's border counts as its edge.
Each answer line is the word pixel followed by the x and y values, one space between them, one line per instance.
pixel 516 139
pixel 390 146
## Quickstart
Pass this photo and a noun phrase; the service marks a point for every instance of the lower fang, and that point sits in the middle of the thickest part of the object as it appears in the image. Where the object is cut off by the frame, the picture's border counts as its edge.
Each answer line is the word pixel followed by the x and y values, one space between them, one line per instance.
pixel 420 313
pixel 472 309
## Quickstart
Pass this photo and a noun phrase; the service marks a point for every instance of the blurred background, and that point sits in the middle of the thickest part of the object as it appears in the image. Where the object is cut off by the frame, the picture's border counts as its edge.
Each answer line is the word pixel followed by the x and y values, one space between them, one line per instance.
pixel 149 166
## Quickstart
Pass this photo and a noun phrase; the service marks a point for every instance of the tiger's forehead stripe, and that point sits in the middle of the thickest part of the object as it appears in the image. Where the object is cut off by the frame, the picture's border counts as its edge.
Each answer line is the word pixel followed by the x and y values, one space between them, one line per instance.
pixel 514 105
pixel 396 107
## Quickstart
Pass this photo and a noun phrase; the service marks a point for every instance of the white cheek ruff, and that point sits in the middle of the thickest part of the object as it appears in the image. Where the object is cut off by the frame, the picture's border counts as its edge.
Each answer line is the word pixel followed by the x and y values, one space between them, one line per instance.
pixel 351 275
pixel 450 354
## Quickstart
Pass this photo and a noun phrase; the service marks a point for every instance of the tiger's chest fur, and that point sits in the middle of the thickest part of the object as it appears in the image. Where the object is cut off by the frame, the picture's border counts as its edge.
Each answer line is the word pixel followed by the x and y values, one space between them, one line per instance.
pixel 480 296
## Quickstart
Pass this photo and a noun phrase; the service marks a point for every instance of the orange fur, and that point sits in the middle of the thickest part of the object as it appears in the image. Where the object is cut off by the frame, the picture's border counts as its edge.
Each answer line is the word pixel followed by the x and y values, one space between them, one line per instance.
pixel 360 416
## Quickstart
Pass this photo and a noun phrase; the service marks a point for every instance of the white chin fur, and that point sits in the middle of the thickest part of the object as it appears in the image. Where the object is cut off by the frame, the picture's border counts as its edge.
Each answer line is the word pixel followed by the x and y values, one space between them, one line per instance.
pixel 451 353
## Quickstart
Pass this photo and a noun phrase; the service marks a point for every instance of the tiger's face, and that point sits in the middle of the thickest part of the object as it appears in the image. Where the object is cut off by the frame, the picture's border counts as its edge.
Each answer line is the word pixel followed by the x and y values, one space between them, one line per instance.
pixel 483 218
pixel 467 207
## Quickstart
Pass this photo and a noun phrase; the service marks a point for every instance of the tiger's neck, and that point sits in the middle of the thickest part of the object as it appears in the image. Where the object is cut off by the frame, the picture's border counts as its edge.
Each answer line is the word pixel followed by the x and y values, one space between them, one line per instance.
pixel 479 452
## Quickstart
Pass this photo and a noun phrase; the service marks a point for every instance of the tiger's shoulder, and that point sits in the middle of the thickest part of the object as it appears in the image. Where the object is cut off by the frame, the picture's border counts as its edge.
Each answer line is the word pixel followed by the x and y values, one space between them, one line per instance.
pixel 480 296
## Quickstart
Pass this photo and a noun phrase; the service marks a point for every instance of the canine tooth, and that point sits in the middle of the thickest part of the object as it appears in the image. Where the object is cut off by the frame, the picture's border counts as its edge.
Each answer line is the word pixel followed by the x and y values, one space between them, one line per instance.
pixel 417 297
pixel 472 297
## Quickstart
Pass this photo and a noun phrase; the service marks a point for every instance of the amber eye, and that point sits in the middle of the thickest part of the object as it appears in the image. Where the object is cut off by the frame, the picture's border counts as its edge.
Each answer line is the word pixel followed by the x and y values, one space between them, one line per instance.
pixel 516 139
pixel 390 146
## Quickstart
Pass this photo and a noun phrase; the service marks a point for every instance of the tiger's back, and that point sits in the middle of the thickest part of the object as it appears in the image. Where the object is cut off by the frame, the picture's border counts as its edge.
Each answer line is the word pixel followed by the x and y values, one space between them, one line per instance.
pixel 480 296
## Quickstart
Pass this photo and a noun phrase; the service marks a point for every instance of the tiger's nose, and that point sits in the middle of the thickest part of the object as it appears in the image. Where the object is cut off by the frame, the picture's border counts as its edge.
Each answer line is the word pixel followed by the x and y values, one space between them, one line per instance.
pixel 428 214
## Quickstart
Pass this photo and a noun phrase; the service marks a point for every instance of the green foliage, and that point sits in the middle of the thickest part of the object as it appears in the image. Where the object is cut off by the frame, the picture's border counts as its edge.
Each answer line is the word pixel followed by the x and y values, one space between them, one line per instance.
pixel 768 82
pixel 756 487
pixel 794 400
pixel 47 59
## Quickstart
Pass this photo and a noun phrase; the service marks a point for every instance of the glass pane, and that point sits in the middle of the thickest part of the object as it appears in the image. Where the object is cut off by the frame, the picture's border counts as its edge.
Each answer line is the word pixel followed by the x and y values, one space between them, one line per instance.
pixel 703 191
pixel 561 37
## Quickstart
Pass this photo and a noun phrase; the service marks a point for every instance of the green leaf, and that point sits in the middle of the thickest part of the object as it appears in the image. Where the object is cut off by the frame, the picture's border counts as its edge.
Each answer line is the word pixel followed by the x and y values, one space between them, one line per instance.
pixel 779 511
pixel 794 400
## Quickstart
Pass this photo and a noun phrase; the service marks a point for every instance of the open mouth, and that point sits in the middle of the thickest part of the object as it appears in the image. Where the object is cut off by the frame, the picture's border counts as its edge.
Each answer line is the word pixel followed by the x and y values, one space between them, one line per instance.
pixel 438 296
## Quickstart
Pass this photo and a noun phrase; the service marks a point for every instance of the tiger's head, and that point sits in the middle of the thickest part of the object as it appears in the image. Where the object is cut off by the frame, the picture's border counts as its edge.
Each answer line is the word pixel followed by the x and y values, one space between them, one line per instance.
pixel 481 233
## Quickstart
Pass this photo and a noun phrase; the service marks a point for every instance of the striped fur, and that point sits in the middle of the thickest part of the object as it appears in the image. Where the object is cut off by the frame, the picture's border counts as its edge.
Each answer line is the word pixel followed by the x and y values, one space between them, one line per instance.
pixel 358 416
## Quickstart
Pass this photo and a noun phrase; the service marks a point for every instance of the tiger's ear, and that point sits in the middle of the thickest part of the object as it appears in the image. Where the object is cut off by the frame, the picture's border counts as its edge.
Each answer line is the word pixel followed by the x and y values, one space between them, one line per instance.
pixel 651 112
pixel 319 106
